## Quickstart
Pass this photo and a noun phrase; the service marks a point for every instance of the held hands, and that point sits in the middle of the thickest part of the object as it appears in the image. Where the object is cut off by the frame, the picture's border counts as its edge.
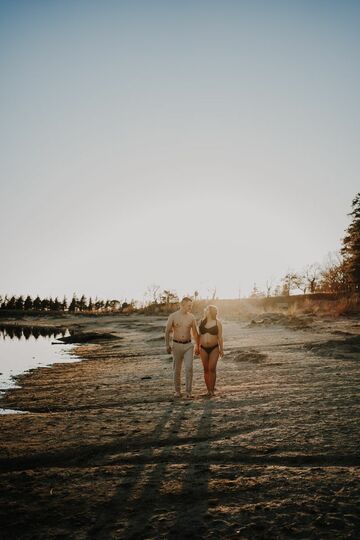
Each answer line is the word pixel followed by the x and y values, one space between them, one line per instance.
pixel 169 349
pixel 197 350
pixel 221 353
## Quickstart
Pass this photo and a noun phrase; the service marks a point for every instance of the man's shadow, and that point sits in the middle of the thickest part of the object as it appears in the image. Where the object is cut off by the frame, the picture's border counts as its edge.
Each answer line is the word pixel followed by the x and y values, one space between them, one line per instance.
pixel 132 512
pixel 193 501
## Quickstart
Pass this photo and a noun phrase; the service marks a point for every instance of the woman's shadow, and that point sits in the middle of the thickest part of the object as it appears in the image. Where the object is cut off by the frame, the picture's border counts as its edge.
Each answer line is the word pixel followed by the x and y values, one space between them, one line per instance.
pixel 141 507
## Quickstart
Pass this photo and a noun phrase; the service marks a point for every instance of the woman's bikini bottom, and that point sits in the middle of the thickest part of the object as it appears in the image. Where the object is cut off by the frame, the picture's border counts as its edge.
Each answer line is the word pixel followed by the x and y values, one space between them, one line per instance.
pixel 209 349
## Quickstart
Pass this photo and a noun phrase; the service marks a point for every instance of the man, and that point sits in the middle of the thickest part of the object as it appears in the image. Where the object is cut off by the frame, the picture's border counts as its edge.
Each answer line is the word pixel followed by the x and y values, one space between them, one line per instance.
pixel 181 324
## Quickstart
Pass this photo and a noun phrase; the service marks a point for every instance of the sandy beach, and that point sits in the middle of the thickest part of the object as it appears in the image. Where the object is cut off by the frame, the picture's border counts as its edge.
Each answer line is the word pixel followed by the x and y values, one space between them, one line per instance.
pixel 106 451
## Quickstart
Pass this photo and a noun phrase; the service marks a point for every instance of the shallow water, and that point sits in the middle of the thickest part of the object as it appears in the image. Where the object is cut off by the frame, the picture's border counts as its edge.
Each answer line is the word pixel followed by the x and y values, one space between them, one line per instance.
pixel 23 349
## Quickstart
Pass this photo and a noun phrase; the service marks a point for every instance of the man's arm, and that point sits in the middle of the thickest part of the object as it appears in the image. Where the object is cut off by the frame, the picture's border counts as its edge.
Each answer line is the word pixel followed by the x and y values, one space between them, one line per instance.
pixel 168 330
pixel 196 335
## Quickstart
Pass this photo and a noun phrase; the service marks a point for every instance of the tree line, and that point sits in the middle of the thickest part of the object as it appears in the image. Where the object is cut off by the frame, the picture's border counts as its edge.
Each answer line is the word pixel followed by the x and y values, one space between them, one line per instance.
pixel 314 278
pixel 340 274
pixel 76 304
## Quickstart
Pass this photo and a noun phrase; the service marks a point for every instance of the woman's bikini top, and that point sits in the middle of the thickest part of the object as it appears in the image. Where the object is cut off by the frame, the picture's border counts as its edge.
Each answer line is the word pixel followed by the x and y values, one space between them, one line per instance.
pixel 214 330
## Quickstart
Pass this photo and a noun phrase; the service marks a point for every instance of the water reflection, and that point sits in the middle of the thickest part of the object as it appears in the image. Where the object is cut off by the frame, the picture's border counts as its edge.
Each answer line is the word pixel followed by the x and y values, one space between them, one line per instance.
pixel 28 347
pixel 13 331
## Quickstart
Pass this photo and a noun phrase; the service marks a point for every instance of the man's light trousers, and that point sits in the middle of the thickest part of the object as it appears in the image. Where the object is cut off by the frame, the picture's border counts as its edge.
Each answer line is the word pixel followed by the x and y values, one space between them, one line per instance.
pixel 183 352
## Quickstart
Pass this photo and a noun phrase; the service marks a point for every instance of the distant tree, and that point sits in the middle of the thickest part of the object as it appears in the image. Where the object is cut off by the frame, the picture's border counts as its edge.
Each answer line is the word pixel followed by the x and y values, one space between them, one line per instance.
pixel 37 303
pixel 57 304
pixel 168 297
pixel 333 276
pixel 4 302
pixel 351 246
pixel 11 303
pixel 64 304
pixel 299 282
pixel 90 304
pixel 28 304
pixel 196 295
pixel 19 304
pixel 288 283
pixel 153 293
pixel 45 304
pixel 269 284
pixel 51 304
pixel 82 303
pixel 73 304
pixel 311 275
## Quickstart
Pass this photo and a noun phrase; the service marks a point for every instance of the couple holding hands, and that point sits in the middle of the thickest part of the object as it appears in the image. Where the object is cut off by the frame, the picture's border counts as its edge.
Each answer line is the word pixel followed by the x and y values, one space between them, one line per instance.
pixel 209 344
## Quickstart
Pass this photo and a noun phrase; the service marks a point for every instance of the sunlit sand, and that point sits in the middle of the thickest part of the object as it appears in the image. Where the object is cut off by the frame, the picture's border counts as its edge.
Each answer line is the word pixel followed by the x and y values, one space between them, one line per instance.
pixel 109 452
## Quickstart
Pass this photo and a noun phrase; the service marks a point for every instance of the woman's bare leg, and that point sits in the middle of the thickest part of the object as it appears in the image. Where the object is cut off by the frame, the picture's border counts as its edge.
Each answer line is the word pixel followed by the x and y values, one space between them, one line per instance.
pixel 205 361
pixel 213 359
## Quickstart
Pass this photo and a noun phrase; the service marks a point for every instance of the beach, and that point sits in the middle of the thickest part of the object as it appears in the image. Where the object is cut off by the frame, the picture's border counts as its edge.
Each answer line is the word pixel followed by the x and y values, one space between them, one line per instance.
pixel 106 451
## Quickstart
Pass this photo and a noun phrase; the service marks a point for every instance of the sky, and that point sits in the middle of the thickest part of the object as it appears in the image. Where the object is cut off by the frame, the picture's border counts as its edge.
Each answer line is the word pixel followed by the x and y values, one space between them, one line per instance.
pixel 191 145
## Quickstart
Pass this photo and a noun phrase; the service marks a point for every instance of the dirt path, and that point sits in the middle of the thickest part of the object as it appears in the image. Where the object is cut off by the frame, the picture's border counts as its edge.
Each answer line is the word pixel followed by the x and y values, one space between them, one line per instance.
pixel 106 452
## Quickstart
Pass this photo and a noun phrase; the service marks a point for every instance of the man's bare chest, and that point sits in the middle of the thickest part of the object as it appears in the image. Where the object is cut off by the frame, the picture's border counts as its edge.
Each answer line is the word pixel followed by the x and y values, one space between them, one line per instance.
pixel 182 322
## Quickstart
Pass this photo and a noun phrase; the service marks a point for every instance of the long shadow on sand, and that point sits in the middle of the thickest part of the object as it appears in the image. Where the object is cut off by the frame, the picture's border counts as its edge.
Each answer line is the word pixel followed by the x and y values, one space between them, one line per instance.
pixel 193 502
pixel 140 507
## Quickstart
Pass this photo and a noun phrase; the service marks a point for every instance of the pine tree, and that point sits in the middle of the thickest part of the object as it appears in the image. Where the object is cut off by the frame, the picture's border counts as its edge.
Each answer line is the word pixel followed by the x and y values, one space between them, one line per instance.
pixel 37 303
pixel 11 303
pixel 45 304
pixel 351 246
pixel 82 303
pixel 28 304
pixel 19 304
pixel 64 304
pixel 73 304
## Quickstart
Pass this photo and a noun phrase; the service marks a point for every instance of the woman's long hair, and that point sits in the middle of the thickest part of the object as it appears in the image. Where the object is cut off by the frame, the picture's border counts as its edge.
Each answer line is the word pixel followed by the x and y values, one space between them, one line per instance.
pixel 213 312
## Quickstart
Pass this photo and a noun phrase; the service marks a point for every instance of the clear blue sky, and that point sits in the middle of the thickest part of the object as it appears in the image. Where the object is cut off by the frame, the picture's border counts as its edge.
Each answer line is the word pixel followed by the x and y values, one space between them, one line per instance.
pixel 188 144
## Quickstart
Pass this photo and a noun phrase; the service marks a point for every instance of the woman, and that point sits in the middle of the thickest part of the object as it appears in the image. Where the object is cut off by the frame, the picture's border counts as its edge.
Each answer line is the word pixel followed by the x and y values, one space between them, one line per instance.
pixel 211 345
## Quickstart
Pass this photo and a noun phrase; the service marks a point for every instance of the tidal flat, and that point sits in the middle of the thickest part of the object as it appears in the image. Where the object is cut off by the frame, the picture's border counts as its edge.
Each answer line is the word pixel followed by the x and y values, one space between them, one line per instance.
pixel 106 451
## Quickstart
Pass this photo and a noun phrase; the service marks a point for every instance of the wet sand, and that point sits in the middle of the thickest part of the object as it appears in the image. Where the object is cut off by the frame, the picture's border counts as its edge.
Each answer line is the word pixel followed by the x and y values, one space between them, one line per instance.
pixel 105 451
